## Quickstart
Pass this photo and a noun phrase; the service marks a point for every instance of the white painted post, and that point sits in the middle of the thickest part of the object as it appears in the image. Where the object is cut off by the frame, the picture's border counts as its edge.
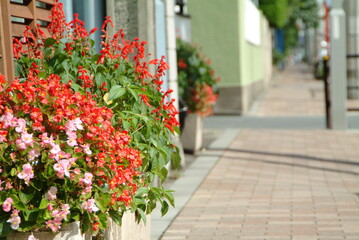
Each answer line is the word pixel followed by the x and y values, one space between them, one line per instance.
pixel 338 66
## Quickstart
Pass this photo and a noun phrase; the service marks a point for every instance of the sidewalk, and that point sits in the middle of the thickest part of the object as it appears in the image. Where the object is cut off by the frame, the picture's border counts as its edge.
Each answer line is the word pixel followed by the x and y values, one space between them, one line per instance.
pixel 289 181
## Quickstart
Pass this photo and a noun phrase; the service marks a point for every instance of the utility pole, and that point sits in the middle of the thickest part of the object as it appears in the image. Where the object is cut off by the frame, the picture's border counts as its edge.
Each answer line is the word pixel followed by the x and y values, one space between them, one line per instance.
pixel 338 66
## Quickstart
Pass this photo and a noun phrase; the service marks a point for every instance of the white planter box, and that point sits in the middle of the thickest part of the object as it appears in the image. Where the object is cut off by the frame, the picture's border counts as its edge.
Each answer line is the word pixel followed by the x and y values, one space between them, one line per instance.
pixel 192 134
pixel 69 232
pixel 129 229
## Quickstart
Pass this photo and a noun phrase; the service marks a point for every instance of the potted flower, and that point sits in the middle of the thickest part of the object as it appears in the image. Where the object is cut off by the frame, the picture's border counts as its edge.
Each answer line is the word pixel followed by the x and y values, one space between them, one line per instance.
pixel 83 134
pixel 198 88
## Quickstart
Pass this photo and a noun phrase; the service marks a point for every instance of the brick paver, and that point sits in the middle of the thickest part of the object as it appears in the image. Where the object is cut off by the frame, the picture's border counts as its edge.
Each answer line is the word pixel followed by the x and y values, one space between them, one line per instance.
pixel 278 185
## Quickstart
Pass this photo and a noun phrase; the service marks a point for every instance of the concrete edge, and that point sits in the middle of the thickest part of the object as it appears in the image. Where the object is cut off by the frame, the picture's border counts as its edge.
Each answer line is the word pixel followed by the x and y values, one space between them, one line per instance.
pixel 187 184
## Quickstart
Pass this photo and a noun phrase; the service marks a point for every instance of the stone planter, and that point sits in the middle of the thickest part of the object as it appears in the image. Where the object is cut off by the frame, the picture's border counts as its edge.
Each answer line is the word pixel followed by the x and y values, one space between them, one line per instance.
pixel 69 232
pixel 129 229
pixel 192 134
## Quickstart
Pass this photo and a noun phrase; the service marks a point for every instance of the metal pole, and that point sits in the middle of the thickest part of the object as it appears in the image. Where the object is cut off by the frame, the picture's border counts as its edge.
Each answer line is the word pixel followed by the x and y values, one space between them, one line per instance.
pixel 338 66
pixel 328 117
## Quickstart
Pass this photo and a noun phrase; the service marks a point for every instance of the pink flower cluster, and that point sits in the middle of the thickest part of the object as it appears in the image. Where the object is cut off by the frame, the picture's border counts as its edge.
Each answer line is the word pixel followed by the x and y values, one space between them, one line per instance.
pixel 90 205
pixel 51 194
pixel 27 173
pixel 6 206
pixel 58 216
pixel 15 220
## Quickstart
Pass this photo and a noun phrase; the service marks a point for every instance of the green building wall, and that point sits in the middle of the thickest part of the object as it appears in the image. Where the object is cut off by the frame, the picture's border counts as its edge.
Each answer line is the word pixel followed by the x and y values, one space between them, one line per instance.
pixel 218 26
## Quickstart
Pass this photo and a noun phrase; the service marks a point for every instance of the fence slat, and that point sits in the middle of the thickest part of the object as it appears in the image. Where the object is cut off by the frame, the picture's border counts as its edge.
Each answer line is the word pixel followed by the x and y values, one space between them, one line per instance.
pixel 42 14
pixel 17 29
pixel 47 1
pixel 7 67
pixel 21 11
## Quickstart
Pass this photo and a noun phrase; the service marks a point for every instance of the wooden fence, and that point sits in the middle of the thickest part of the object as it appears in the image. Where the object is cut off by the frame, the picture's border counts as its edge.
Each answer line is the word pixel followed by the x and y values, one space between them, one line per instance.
pixel 15 15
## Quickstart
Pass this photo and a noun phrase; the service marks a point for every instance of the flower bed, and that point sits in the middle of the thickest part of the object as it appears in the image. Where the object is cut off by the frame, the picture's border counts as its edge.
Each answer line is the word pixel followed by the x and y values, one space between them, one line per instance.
pixel 83 134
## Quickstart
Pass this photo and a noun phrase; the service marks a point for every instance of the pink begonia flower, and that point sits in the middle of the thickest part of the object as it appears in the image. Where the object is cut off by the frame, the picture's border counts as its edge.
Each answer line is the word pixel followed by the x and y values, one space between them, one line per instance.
pixel 71 142
pixel 8 119
pixel 32 237
pixel 46 140
pixel 90 206
pixel 53 225
pixel 74 125
pixel 13 156
pixel 14 219
pixel 62 168
pixel 55 149
pixel 77 171
pixel 49 207
pixel 87 190
pixel 78 124
pixel 87 178
pixel 60 155
pixel 51 194
pixel 27 173
pixel 9 185
pixel 71 139
pixel 21 124
pixel 87 149
pixel 2 138
pixel 20 144
pixel 27 138
pixel 34 153
pixel 65 210
pixel 56 215
pixel 6 206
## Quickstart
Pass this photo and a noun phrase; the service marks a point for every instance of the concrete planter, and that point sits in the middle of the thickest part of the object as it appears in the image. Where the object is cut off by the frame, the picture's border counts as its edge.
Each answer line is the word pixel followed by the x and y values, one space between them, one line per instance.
pixel 69 232
pixel 192 134
pixel 129 229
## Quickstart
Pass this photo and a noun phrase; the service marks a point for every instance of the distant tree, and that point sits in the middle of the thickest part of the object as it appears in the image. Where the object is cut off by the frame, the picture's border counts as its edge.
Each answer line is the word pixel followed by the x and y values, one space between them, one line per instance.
pixel 306 10
pixel 276 11
pixel 282 12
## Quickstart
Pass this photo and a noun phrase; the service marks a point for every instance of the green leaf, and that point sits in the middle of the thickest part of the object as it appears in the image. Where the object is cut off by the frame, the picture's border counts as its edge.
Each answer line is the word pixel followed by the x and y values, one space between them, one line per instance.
pixel 20 206
pixel 142 215
pixel 169 196
pixel 76 87
pixel 75 215
pixel 27 195
pixel 37 184
pixel 13 172
pixel 102 201
pixel 103 220
pixel 176 159
pixel 5 228
pixel 164 208
pixel 116 92
pixel 116 216
pixel 142 190
pixel 139 201
pixel 126 125
pixel 31 215
pixel 3 196
pixel 85 223
pixel 14 198
pixel 92 42
pixel 49 41
pixel 43 204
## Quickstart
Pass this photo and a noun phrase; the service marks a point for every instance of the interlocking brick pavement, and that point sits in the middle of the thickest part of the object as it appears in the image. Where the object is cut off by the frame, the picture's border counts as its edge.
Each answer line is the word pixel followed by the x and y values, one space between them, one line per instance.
pixel 278 184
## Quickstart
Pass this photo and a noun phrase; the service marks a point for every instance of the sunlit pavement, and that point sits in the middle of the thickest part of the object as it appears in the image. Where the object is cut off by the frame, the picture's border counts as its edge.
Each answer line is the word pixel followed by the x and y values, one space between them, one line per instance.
pixel 277 174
